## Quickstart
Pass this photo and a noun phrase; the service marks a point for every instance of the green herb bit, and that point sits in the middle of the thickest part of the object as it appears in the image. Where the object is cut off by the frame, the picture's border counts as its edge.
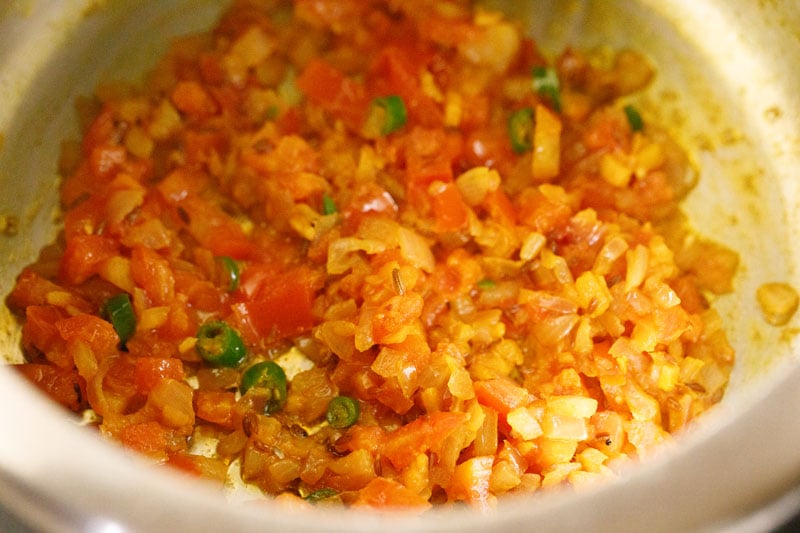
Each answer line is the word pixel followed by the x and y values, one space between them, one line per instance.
pixel 486 283
pixel 387 114
pixel 267 378
pixel 545 83
pixel 343 412
pixel 119 311
pixel 220 344
pixel 520 130
pixel 634 118
pixel 328 205
pixel 321 494
pixel 230 269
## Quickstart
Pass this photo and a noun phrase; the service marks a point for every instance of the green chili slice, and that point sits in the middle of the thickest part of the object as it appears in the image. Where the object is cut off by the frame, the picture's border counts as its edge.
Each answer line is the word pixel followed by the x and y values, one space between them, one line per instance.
pixel 119 311
pixel 328 205
pixel 321 494
pixel 634 118
pixel 545 83
pixel 520 130
pixel 342 412
pixel 391 112
pixel 220 344
pixel 266 377
pixel 230 269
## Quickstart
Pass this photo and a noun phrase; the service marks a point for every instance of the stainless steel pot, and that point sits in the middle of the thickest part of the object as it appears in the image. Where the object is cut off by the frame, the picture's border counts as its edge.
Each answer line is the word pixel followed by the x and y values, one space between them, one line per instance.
pixel 727 88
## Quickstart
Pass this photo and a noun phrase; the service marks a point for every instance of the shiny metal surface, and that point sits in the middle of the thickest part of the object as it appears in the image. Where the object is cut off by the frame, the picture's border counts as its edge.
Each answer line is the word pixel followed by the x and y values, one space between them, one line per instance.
pixel 726 89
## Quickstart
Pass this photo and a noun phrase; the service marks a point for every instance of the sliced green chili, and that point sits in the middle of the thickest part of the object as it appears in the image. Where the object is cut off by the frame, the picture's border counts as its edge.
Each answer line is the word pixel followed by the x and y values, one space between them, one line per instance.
pixel 230 269
pixel 328 205
pixel 321 494
pixel 634 118
pixel 545 83
pixel 342 412
pixel 486 283
pixel 119 311
pixel 220 344
pixel 266 377
pixel 392 113
pixel 520 130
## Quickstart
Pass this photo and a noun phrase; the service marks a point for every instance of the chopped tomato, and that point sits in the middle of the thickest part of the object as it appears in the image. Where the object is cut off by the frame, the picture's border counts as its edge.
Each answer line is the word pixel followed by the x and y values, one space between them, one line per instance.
pixel 277 304
pixel 470 481
pixel 105 161
pixel 201 466
pixel 98 334
pixel 382 493
pixel 149 438
pixel 40 331
pixel 502 395
pixel 358 437
pixel 216 407
pixel 449 209
pixel 540 212
pixel 337 94
pixel 83 256
pixel 152 273
pixel 423 434
pixel 150 370
pixel 191 98
pixel 63 385
pixel 397 71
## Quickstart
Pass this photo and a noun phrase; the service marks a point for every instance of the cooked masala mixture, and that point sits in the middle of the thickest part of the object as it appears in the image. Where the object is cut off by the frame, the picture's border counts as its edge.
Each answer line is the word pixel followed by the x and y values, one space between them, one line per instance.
pixel 380 253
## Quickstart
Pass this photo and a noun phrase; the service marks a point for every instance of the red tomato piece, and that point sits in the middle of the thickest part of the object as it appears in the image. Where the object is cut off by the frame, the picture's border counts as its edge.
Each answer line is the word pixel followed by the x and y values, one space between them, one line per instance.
pixel 83 255
pixel 152 272
pixel 149 438
pixel 277 304
pixel 216 407
pixel 502 395
pixel 337 94
pixel 396 71
pixel 149 371
pixel 191 98
pixel 382 493
pixel 63 385
pixel 98 334
pixel 420 436
pixel 450 211
pixel 470 481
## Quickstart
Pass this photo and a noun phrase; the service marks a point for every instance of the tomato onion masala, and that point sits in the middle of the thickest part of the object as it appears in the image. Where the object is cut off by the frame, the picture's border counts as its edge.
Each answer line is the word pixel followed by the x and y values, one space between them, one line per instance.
pixel 382 254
